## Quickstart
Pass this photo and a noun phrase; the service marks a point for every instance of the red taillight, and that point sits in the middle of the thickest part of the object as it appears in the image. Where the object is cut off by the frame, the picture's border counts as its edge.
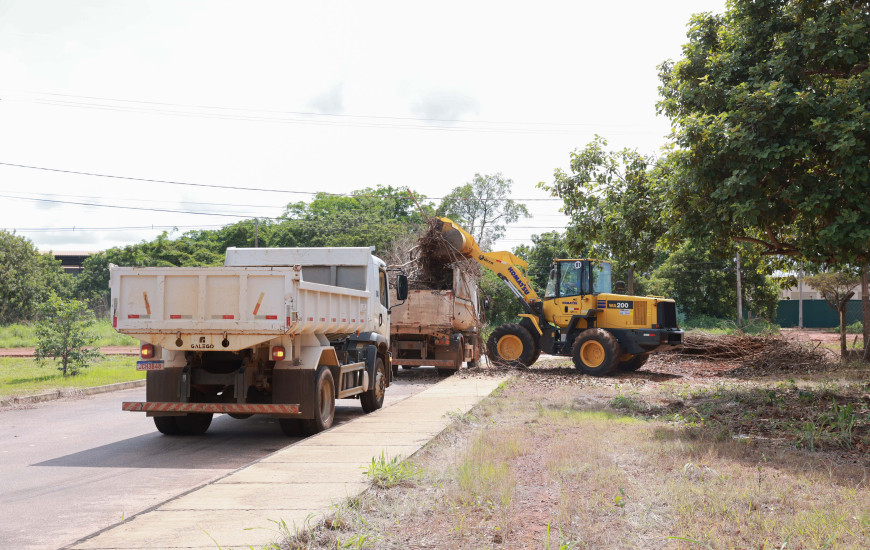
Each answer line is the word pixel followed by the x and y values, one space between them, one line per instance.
pixel 146 351
pixel 277 353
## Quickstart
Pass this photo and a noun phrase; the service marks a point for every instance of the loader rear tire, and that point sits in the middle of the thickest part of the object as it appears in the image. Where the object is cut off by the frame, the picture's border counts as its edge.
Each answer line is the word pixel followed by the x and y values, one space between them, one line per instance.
pixel 324 402
pixel 634 363
pixel 511 345
pixel 596 352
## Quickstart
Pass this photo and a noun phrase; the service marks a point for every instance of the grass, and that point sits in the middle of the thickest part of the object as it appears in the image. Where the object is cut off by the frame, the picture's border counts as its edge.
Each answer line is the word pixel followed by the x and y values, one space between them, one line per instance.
pixel 855 328
pixel 713 325
pixel 24 336
pixel 23 376
pixel 577 462
pixel 387 473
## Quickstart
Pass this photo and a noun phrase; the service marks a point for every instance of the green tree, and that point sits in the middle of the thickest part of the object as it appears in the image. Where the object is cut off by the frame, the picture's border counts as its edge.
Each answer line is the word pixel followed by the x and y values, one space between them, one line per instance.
pixel 772 130
pixel 837 288
pixel 703 282
pixel 65 334
pixel 540 255
pixel 482 208
pixel 26 278
pixel 615 202
pixel 367 217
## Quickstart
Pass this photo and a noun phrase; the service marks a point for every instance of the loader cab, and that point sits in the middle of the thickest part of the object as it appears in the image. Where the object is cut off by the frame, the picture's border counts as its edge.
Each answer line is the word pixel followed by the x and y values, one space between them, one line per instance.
pixel 579 278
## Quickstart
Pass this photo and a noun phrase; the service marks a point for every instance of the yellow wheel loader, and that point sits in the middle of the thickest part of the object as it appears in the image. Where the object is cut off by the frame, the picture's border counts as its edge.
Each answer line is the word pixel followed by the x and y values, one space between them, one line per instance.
pixel 579 315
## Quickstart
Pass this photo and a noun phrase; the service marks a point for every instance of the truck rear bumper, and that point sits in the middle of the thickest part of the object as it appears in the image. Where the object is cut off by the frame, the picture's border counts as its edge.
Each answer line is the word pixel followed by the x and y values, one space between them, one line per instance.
pixel 227 408
pixel 424 362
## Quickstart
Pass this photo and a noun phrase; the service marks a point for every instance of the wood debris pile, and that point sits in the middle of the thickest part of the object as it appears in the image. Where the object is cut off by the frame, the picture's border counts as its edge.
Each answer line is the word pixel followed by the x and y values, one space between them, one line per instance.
pixel 429 261
pixel 755 353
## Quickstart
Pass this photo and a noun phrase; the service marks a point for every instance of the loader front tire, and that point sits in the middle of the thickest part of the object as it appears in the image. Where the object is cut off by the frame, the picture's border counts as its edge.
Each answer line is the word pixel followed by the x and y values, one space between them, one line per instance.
pixel 511 345
pixel 324 402
pixel 596 352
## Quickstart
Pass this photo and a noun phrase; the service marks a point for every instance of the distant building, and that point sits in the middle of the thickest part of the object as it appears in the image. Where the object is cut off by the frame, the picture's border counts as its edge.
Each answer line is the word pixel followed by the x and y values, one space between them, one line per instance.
pixel 72 260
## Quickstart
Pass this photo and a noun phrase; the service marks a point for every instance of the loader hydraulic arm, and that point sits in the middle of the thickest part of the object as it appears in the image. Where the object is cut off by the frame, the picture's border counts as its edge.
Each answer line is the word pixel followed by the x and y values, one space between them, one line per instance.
pixel 505 265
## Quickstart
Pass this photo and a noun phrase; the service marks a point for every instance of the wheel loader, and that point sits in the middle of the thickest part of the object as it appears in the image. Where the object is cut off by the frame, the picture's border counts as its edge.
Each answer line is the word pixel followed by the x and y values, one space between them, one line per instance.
pixel 579 316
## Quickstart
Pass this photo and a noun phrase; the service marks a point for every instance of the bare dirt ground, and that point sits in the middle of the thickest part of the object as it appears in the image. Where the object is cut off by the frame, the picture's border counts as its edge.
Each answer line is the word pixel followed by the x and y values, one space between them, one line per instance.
pixel 685 453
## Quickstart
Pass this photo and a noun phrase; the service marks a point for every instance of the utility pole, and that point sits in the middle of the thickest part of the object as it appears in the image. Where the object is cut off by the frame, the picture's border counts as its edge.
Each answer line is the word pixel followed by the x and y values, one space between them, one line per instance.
pixel 256 233
pixel 801 299
pixel 739 293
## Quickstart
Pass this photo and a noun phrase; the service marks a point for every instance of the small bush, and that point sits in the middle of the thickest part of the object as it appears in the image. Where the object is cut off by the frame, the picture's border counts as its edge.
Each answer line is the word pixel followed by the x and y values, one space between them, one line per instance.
pixel 388 473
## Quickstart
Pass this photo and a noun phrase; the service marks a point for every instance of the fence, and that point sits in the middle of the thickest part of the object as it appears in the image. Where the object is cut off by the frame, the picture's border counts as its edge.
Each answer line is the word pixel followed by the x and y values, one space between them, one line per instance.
pixel 817 313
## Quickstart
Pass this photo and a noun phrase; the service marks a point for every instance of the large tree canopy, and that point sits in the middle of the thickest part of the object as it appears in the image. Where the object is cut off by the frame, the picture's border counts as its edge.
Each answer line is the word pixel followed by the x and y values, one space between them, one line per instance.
pixel 769 106
pixel 614 201
pixel 482 207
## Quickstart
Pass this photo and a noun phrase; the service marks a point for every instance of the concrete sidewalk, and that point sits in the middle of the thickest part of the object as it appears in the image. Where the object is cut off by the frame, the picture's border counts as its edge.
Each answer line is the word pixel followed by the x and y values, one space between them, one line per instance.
pixel 296 483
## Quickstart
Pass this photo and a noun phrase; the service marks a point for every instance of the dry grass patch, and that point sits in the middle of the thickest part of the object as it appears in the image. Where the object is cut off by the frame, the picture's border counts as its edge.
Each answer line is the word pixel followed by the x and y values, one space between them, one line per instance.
pixel 626 463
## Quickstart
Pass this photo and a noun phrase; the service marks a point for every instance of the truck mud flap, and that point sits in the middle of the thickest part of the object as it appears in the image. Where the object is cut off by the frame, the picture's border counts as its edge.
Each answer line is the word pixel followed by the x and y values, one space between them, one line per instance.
pixel 295 386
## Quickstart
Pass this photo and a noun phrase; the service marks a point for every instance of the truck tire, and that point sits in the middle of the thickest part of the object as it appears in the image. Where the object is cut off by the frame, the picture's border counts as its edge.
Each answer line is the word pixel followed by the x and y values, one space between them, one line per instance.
pixel 373 399
pixel 166 425
pixel 511 345
pixel 634 363
pixel 324 402
pixel 291 427
pixel 596 352
pixel 193 424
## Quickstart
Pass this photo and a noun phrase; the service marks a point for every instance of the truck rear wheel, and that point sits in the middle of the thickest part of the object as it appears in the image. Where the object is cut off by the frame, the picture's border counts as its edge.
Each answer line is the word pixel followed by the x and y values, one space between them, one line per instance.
pixel 291 427
pixel 373 399
pixel 634 363
pixel 596 352
pixel 511 345
pixel 166 425
pixel 324 402
pixel 193 424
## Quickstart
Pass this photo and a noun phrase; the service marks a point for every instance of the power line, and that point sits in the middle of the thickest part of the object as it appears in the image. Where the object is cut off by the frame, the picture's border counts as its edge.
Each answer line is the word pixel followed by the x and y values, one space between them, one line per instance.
pixel 238 188
pixel 268 115
pixel 139 200
pixel 94 204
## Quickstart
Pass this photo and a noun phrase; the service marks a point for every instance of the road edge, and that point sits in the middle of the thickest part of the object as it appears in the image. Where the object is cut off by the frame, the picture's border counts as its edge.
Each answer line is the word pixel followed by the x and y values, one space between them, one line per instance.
pixel 69 392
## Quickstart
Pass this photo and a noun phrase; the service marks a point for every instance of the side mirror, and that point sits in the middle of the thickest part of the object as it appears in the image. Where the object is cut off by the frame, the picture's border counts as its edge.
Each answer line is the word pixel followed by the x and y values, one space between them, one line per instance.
pixel 401 286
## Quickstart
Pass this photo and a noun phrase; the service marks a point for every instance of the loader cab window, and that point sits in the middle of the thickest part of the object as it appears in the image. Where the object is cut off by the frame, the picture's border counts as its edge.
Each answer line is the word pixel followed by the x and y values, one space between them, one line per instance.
pixel 601 278
pixel 383 291
pixel 572 279
pixel 551 284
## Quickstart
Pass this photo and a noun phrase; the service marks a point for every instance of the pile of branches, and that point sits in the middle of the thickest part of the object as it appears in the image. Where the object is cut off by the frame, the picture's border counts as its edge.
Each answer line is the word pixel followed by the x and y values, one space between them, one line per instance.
pixel 428 260
pixel 755 353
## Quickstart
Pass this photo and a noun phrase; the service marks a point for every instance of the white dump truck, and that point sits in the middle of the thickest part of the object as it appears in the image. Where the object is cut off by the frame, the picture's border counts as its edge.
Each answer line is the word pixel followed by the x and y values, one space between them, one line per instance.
pixel 276 331
pixel 438 328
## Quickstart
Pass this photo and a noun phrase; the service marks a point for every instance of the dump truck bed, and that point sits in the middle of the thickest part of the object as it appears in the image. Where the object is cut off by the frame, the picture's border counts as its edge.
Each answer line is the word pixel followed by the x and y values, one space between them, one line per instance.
pixel 204 308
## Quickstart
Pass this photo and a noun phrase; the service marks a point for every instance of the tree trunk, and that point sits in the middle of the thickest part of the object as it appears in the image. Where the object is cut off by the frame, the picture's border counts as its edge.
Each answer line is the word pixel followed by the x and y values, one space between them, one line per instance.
pixel 865 306
pixel 843 306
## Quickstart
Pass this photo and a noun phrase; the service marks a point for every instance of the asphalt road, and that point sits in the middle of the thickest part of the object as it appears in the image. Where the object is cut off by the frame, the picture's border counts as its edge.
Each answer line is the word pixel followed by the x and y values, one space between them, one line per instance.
pixel 72 467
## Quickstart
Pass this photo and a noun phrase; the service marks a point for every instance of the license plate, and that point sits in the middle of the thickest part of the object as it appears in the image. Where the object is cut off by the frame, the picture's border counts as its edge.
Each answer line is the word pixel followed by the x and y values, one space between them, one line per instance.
pixel 149 365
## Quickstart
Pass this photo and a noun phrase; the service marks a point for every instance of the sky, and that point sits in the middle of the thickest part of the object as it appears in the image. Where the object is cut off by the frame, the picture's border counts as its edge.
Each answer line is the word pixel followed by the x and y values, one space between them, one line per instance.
pixel 185 100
